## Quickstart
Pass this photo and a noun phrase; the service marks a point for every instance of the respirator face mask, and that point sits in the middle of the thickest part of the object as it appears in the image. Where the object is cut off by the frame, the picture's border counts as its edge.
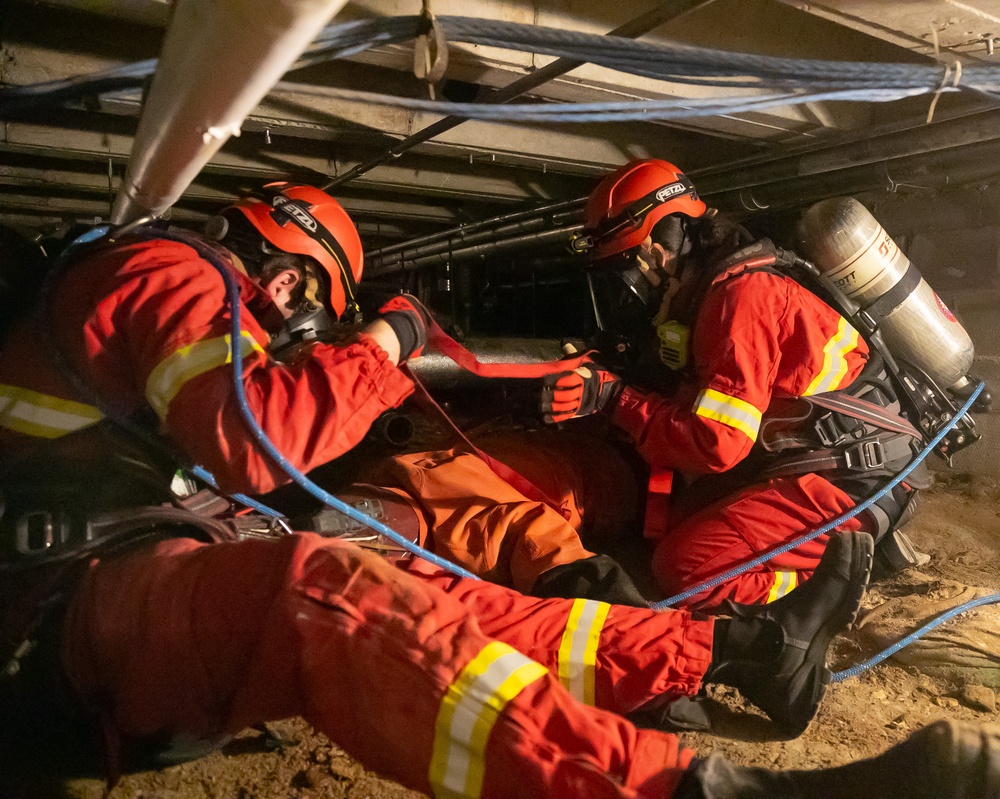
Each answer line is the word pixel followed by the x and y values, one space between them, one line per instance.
pixel 640 269
pixel 653 278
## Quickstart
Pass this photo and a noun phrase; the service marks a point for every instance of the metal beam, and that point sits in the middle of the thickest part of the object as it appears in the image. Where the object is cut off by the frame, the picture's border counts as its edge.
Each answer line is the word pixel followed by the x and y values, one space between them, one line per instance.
pixel 427 177
pixel 875 147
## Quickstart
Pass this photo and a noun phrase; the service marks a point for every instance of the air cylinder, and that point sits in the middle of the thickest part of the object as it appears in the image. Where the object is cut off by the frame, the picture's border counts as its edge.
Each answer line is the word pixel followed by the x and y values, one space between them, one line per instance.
pixel 853 252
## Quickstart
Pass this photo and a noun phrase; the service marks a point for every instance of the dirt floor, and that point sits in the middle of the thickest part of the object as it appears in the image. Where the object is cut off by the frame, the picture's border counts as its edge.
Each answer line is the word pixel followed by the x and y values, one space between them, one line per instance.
pixel 953 672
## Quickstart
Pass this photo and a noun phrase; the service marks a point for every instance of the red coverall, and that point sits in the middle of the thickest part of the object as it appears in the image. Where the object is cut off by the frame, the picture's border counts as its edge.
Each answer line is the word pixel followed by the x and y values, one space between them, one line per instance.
pixel 455 687
pixel 757 335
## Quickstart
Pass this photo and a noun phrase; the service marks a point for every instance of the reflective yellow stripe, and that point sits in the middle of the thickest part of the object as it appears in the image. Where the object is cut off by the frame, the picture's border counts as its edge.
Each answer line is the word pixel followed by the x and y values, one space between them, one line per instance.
pixel 783 583
pixel 729 411
pixel 467 714
pixel 578 649
pixel 834 360
pixel 170 375
pixel 42 415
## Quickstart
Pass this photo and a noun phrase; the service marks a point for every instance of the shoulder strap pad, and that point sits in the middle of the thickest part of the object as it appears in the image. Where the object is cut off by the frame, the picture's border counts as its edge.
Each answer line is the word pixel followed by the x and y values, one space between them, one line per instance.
pixel 759 256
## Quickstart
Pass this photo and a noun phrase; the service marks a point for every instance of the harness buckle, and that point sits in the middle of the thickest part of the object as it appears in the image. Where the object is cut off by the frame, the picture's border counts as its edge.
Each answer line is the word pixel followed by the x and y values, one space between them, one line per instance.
pixel 828 431
pixel 865 456
pixel 38 531
pixel 835 429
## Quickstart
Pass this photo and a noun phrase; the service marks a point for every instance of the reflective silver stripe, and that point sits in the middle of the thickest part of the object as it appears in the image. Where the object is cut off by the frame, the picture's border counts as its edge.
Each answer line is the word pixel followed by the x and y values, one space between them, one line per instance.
pixel 730 411
pixel 784 582
pixel 468 712
pixel 41 415
pixel 834 366
pixel 170 375
pixel 578 649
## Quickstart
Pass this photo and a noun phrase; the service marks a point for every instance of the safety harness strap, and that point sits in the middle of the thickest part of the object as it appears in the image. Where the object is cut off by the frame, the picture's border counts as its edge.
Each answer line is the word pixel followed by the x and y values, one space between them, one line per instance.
pixel 867 412
pixel 894 297
pixel 873 454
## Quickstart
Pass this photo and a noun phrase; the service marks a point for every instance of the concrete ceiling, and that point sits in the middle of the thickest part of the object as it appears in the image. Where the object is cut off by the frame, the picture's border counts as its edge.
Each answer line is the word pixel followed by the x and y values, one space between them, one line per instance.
pixel 59 164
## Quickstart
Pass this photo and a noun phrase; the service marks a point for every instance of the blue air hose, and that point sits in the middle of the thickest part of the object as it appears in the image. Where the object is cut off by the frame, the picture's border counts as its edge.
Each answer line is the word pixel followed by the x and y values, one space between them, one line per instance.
pixel 831 525
pixel 206 476
pixel 854 671
pixel 265 443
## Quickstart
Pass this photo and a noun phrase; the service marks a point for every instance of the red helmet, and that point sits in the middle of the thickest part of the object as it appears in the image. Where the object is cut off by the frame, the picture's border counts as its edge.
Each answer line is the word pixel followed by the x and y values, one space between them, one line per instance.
pixel 626 204
pixel 307 221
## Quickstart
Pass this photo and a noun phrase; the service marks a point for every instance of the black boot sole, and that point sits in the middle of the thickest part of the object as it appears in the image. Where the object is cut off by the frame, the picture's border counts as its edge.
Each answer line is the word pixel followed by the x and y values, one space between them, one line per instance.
pixel 798 718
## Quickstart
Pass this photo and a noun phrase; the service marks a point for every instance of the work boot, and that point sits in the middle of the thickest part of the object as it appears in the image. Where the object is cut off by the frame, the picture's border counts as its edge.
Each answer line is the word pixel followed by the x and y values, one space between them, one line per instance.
pixel 776 654
pixel 389 506
pixel 946 760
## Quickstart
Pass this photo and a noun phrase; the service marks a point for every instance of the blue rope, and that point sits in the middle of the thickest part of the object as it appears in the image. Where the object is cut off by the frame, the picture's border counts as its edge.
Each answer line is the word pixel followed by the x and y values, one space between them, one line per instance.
pixel 854 671
pixel 206 476
pixel 831 525
pixel 265 443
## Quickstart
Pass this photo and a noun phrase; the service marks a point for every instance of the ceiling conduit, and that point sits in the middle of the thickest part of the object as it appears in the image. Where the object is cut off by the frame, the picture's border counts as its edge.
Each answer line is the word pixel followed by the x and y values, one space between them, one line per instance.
pixel 652 19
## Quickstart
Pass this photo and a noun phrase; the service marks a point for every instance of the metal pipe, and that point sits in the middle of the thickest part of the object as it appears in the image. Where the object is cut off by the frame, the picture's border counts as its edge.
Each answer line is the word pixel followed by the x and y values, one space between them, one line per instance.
pixel 219 60
pixel 450 246
pixel 441 373
pixel 652 19
pixel 483 250
pixel 462 230
pixel 930 171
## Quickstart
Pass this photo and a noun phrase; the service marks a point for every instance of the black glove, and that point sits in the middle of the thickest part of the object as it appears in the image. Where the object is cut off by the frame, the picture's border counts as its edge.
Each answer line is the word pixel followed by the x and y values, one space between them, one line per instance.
pixel 585 390
pixel 408 319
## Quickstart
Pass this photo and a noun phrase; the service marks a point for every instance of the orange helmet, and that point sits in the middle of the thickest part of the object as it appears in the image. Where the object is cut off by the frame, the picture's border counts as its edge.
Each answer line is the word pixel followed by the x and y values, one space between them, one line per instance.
pixel 307 221
pixel 627 203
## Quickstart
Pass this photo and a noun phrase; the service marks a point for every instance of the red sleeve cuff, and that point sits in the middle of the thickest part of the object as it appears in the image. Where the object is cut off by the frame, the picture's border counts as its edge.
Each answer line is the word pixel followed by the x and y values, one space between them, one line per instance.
pixel 631 412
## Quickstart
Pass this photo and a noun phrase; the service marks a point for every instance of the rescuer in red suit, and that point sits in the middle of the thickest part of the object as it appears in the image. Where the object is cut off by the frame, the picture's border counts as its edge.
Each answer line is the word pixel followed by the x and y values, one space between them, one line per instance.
pixel 744 340
pixel 146 625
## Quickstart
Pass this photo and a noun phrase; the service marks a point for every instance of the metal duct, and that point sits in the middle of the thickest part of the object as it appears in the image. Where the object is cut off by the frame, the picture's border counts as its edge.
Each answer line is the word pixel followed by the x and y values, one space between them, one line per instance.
pixel 443 374
pixel 219 60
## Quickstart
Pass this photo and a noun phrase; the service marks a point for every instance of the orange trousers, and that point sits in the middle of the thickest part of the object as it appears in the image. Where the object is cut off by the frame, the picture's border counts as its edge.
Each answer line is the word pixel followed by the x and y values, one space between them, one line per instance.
pixel 394 667
pixel 474 518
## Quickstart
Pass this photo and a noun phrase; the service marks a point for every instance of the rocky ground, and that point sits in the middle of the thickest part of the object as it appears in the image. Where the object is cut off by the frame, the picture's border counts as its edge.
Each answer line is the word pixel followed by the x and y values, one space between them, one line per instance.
pixel 954 672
